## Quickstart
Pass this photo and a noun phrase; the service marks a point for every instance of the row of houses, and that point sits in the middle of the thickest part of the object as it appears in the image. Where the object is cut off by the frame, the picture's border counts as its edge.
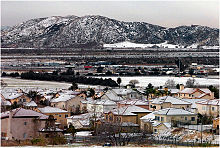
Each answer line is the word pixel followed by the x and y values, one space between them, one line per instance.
pixel 126 107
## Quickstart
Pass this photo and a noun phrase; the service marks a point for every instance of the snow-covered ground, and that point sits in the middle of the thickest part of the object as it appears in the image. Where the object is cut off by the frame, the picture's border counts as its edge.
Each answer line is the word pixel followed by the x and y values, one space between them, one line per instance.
pixel 160 81
pixel 127 44
pixel 143 82
pixel 19 83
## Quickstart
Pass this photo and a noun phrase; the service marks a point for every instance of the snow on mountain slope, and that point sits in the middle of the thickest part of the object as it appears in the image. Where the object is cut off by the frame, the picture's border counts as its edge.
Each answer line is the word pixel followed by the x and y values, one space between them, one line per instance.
pixel 94 31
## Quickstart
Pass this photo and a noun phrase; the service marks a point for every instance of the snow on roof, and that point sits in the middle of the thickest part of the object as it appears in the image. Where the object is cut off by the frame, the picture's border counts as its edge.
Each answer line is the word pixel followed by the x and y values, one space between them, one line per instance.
pixel 21 112
pixel 32 103
pixel 105 102
pixel 188 90
pixel 49 109
pixel 122 91
pixel 48 97
pixel 193 101
pixel 169 99
pixel 192 90
pixel 134 102
pixel 206 90
pixel 12 96
pixel 148 117
pixel 210 102
pixel 62 98
pixel 6 103
pixel 173 112
pixel 130 110
pixel 173 91
pixel 113 96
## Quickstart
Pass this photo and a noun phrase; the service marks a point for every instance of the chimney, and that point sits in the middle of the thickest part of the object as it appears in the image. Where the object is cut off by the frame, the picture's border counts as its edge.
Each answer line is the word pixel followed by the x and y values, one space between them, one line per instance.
pixel 181 87
pixel 9 134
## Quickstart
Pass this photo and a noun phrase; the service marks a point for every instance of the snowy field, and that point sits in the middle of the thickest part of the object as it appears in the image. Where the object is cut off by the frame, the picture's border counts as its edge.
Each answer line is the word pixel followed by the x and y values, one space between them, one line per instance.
pixel 160 81
pixel 35 84
pixel 143 82
pixel 19 83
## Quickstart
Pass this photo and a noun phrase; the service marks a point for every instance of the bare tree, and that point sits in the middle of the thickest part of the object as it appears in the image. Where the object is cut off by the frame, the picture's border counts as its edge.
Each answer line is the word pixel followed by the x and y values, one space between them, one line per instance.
pixel 170 83
pixel 190 83
pixel 133 82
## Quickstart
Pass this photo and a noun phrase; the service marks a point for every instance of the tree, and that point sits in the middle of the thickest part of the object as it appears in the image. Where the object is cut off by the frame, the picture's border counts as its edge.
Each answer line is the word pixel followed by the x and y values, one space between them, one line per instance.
pixel 170 83
pixel 133 83
pixel 100 69
pixel 91 92
pixel 119 81
pixel 190 83
pixel 215 90
pixel 74 86
pixel 71 130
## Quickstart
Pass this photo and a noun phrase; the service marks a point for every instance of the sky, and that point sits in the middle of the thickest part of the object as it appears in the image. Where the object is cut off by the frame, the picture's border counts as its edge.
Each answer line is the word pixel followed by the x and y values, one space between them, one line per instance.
pixel 163 13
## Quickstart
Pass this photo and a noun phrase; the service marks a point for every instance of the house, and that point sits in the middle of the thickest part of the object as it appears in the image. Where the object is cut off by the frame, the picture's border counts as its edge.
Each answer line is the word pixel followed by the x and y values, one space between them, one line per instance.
pixel 31 105
pixel 195 93
pixel 127 93
pixel 58 114
pixel 21 124
pixel 193 107
pixel 19 98
pixel 130 113
pixel 69 102
pixel 163 119
pixel 136 102
pixel 111 95
pixel 83 121
pixel 168 102
pixel 209 107
pixel 100 105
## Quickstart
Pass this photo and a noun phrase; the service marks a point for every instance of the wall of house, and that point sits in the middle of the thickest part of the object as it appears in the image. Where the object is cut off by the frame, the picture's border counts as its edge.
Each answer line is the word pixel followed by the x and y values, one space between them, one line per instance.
pixel 186 118
pixel 146 127
pixel 60 117
pixel 73 103
pixel 4 126
pixel 139 115
pixel 25 128
pixel 182 106
pixel 160 128
pixel 18 99
pixel 212 110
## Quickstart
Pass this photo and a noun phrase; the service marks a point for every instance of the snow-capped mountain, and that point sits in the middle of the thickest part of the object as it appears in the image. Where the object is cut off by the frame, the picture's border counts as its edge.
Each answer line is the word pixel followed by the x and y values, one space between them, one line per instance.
pixel 89 31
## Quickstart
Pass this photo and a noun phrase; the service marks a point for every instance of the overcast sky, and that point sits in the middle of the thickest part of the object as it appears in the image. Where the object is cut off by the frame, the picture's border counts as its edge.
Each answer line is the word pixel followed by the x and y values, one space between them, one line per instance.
pixel 164 13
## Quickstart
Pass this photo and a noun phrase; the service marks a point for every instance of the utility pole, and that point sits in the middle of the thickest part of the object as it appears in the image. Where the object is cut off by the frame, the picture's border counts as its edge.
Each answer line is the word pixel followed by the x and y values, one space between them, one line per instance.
pixel 201 132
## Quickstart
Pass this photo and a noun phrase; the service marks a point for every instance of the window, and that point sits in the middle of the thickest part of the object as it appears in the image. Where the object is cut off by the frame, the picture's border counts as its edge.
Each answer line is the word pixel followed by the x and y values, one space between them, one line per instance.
pixel 155 130
pixel 106 117
pixel 24 135
pixel 162 118
pixel 185 118
pixel 213 108
pixel 151 106
pixel 63 106
pixel 161 107
pixel 192 95
pixel 25 123
pixel 60 115
pixel 56 114
pixel 66 115
pixel 155 117
pixel 24 100
pixel 193 118
pixel 203 108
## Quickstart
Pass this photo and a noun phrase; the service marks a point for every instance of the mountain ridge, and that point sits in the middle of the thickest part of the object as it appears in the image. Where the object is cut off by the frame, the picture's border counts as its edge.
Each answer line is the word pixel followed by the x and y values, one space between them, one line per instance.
pixel 95 30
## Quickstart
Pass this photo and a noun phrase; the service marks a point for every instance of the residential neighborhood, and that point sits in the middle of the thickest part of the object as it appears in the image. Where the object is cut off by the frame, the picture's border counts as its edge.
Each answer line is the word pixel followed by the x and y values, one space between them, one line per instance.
pixel 48 113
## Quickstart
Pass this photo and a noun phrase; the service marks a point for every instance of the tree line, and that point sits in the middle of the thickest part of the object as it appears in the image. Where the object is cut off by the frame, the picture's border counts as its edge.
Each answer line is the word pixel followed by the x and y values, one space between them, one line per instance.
pixel 67 77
